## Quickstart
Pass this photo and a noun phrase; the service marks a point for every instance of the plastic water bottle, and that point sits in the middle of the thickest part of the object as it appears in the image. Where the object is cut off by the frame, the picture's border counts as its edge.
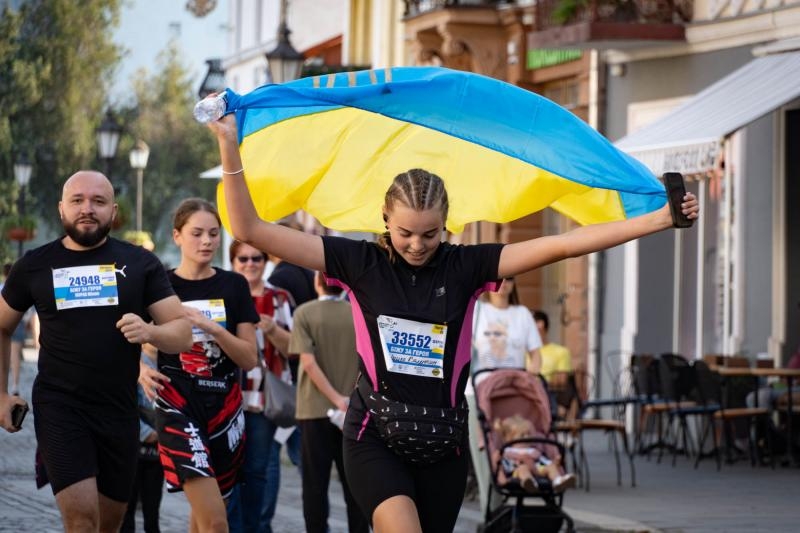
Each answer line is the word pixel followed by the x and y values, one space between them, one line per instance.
pixel 337 417
pixel 210 108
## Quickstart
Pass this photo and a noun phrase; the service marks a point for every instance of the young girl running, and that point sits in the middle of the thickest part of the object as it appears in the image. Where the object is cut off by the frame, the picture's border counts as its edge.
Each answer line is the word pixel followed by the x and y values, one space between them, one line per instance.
pixel 199 410
pixel 412 298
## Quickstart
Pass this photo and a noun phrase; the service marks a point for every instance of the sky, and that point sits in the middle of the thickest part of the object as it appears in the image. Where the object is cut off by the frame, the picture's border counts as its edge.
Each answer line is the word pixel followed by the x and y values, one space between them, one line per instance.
pixel 146 27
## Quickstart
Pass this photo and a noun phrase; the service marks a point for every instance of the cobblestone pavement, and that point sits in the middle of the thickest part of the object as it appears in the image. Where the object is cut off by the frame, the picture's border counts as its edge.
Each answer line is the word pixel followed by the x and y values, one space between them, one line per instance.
pixel 23 508
pixel 667 499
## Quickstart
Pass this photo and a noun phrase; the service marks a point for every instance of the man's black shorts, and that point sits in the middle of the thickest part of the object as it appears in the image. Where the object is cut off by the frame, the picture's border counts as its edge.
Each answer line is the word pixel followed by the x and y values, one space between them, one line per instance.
pixel 80 443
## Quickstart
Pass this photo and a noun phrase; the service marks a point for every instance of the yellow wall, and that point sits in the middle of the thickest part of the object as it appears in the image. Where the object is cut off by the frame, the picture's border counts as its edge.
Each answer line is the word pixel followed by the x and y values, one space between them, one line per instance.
pixel 360 36
pixel 376 33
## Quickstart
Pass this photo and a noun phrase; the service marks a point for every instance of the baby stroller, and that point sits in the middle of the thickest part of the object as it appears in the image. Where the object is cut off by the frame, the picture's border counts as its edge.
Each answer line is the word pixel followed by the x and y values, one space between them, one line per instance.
pixel 499 394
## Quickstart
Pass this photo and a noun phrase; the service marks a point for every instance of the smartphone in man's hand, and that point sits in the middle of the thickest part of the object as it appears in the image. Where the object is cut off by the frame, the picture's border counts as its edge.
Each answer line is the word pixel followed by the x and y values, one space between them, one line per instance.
pixel 18 413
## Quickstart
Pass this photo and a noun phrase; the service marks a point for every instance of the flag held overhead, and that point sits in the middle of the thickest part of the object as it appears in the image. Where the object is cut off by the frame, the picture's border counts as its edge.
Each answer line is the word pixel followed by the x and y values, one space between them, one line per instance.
pixel 332 144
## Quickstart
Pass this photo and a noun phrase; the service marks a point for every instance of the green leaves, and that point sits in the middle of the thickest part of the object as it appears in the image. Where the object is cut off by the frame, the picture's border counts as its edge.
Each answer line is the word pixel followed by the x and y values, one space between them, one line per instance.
pixel 56 59
pixel 180 148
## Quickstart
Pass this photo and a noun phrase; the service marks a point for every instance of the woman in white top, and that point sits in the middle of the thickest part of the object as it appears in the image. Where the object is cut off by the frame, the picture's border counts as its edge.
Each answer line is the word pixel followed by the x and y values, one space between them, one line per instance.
pixel 505 335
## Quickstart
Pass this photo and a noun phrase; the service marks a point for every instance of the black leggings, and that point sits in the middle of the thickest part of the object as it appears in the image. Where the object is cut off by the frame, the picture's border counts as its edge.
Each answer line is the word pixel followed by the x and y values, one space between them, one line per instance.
pixel 376 474
pixel 148 488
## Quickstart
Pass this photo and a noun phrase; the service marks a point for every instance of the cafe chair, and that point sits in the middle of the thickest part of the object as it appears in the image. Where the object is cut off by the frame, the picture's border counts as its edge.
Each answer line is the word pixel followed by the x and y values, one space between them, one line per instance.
pixel 736 361
pixel 714 360
pixel 721 418
pixel 782 407
pixel 577 399
pixel 652 407
pixel 678 387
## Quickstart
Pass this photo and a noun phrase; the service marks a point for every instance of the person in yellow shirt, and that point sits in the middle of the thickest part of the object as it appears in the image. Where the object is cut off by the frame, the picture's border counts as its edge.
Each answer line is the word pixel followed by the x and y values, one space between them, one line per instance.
pixel 554 357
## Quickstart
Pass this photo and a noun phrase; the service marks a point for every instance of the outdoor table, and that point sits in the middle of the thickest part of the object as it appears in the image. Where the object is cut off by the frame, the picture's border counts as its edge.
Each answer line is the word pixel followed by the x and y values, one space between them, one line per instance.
pixel 789 374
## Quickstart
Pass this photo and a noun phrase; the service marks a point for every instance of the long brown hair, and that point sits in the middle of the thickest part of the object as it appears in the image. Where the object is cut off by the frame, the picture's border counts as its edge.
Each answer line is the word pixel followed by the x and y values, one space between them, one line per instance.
pixel 191 206
pixel 513 296
pixel 417 189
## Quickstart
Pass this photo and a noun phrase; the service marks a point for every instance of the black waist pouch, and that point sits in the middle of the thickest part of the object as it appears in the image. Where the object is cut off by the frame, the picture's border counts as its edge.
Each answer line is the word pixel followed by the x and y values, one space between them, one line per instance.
pixel 418 434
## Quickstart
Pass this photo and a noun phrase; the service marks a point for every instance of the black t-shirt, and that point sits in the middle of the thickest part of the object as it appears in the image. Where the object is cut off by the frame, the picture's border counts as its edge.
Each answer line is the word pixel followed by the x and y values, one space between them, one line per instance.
pixel 299 283
pixel 84 359
pixel 441 292
pixel 226 296
pixel 296 280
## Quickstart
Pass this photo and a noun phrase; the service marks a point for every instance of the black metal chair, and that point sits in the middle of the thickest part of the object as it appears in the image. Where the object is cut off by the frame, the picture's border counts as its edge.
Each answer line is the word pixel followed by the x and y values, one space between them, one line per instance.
pixel 574 397
pixel 678 390
pixel 652 407
pixel 710 394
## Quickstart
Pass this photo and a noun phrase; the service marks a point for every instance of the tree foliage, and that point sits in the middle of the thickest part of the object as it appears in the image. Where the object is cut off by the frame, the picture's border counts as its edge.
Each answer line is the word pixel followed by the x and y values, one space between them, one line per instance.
pixel 56 62
pixel 180 148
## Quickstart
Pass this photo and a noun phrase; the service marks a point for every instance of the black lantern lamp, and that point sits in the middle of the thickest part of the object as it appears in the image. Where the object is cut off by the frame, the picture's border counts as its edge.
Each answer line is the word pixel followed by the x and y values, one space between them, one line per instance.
pixel 284 62
pixel 22 175
pixel 107 139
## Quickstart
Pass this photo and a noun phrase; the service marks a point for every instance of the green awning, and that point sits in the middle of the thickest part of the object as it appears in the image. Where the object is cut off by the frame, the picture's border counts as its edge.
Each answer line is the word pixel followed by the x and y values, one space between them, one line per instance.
pixel 545 58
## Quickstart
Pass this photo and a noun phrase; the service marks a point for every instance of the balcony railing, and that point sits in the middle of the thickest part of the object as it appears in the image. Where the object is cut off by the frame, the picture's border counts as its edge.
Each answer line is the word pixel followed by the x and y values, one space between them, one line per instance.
pixel 604 24
pixel 585 23
pixel 418 7
pixel 556 13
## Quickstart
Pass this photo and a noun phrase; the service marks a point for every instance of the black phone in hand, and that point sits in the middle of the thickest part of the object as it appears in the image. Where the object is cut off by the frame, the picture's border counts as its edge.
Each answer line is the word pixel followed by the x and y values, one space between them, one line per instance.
pixel 673 181
pixel 18 413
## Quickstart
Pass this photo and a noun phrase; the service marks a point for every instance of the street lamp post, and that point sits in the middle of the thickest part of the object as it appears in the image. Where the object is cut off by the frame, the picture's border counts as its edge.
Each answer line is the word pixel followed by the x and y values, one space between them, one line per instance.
pixel 138 159
pixel 107 139
pixel 284 62
pixel 22 174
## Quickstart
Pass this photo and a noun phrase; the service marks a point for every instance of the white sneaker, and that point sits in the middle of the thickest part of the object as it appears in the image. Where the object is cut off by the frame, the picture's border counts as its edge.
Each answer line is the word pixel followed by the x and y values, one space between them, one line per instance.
pixel 564 482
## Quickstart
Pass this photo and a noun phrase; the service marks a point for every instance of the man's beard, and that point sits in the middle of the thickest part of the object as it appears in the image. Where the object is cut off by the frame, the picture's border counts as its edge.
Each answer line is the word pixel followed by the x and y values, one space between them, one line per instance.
pixel 87 238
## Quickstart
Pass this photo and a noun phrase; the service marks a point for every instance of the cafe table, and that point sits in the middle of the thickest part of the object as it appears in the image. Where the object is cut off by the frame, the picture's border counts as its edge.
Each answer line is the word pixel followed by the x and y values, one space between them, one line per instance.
pixel 789 374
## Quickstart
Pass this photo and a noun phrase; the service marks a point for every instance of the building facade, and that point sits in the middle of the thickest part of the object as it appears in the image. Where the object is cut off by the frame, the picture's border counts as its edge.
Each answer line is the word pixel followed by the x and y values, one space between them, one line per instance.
pixel 726 286
pixel 316 26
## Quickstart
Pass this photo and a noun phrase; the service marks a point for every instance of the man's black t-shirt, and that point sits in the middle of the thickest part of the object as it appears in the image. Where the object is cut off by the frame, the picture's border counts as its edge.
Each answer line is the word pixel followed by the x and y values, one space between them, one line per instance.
pixel 84 359
pixel 223 296
pixel 298 281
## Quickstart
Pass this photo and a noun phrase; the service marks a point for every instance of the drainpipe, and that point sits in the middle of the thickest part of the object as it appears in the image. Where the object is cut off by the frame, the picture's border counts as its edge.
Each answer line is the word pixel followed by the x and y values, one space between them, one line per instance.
pixel 592 282
pixel 727 246
pixel 700 270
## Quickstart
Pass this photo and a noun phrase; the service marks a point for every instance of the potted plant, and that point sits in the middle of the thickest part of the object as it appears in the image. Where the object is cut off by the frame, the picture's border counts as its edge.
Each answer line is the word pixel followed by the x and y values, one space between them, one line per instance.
pixel 19 227
pixel 139 238
pixel 566 11
pixel 569 11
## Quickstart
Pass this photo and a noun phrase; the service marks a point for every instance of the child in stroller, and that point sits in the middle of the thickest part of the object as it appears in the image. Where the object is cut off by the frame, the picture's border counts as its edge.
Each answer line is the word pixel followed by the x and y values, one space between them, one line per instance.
pixel 508 393
pixel 525 461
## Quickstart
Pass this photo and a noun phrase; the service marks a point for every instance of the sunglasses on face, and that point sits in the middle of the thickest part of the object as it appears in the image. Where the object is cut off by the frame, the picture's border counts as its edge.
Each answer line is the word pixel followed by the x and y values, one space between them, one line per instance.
pixel 493 333
pixel 253 258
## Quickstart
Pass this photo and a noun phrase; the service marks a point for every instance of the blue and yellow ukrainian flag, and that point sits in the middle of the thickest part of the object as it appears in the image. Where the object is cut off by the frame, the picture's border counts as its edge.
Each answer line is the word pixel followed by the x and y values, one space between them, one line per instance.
pixel 332 144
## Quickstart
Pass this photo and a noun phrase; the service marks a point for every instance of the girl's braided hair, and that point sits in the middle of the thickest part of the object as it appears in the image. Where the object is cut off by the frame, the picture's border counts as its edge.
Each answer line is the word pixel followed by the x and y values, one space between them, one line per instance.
pixel 418 189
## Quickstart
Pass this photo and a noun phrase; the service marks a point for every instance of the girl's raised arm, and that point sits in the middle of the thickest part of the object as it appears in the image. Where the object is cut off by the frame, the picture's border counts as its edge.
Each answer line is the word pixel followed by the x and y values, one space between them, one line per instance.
pixel 523 256
pixel 289 244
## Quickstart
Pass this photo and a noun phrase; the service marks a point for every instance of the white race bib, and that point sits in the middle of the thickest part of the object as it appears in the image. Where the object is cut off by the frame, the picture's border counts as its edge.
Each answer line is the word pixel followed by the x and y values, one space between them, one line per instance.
pixel 85 286
pixel 414 348
pixel 213 310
